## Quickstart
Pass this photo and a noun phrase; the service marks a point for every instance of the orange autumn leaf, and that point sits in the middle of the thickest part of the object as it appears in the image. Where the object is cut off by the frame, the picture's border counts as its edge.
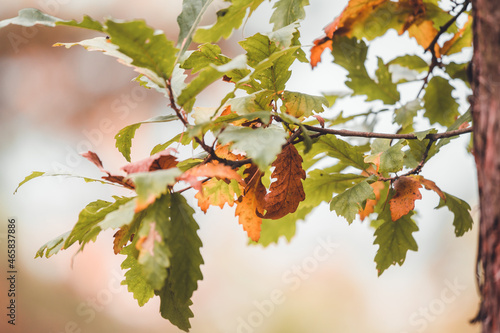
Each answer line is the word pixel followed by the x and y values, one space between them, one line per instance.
pixel 317 50
pixel 287 191
pixel 430 185
pixel 407 191
pixel 424 33
pixel 224 151
pixel 251 204
pixel 355 12
pixel 209 170
pixel 449 43
pixel 245 210
pixel 410 15
pixel 370 203
pixel 214 193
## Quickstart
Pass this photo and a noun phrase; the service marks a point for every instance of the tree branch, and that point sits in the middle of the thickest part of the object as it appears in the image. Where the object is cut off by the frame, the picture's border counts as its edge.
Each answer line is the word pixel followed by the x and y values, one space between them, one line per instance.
pixel 410 136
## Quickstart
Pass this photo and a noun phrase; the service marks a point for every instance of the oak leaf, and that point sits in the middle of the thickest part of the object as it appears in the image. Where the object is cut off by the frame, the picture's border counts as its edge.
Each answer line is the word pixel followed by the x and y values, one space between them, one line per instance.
pixel 361 19
pixel 430 185
pixel 158 161
pixel 119 239
pixel 461 39
pixel 250 206
pixel 355 12
pixel 407 191
pixel 287 191
pixel 94 158
pixel 370 203
pixel 209 170
pixel 145 244
pixel 217 192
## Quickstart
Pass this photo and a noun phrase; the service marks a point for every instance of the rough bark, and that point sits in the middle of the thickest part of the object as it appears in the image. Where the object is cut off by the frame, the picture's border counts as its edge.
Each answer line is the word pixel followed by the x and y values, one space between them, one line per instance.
pixel 486 116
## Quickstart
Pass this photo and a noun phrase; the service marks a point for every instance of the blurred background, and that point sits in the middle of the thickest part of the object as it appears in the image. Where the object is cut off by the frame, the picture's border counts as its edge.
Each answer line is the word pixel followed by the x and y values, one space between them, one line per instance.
pixel 56 103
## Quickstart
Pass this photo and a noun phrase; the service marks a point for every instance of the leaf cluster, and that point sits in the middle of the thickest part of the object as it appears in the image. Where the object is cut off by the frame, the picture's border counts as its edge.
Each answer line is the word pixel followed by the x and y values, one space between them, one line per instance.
pixel 264 148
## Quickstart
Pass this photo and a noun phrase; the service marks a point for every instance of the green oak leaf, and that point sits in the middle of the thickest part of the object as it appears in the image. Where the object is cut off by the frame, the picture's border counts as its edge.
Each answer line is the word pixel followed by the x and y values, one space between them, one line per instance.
pixel 412 62
pixel 287 12
pixel 302 105
pixel 252 141
pixel 270 61
pixel 29 17
pixel 349 202
pixel 188 20
pixel 52 247
pixel 274 230
pixel 345 152
pixel 36 174
pixel 120 217
pixel 87 228
pixel 176 311
pixel 405 114
pixel 351 54
pixel 147 47
pixel 135 279
pixel 185 245
pixel 392 159
pixel 125 135
pixel 321 184
pixel 151 185
pixel 394 239
pixel 251 103
pixel 440 106
pixel 461 209
pixel 228 19
pixel 184 271
pixel 413 156
pixel 207 77
pixel 154 250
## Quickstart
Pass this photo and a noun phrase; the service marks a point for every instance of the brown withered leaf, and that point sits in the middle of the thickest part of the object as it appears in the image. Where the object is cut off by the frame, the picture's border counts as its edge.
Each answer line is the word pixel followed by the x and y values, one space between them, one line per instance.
pixel 120 180
pixel 287 191
pixel 120 239
pixel 430 185
pixel 92 157
pixel 161 160
pixel 407 191
pixel 251 203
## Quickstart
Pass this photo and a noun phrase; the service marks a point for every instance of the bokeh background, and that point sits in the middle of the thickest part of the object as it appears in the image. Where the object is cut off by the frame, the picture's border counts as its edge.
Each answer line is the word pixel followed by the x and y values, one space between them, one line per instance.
pixel 55 103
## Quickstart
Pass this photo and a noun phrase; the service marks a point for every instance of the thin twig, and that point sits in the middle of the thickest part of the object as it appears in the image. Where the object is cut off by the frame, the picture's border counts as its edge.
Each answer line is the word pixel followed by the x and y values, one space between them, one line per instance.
pixel 435 61
pixel 409 136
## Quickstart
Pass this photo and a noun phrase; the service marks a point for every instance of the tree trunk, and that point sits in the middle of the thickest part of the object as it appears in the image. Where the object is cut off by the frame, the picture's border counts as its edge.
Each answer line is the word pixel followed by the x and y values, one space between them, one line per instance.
pixel 486 116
